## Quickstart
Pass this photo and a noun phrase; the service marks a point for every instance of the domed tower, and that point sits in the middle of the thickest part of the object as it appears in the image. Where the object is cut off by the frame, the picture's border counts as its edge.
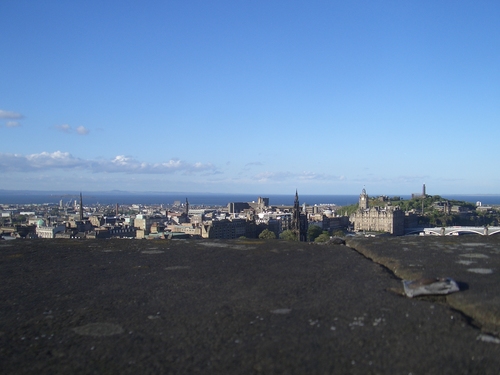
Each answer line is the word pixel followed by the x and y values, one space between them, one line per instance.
pixel 363 200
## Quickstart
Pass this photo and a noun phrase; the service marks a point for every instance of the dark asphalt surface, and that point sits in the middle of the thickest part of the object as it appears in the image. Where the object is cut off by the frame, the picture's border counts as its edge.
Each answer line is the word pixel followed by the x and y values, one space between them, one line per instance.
pixel 473 261
pixel 222 307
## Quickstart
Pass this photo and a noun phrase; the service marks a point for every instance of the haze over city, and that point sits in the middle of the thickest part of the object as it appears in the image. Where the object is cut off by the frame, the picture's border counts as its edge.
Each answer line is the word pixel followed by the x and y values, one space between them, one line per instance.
pixel 250 96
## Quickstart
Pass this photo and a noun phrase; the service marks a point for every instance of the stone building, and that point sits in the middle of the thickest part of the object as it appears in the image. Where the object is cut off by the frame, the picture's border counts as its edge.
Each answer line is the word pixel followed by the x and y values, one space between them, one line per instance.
pixel 228 229
pixel 144 222
pixel 276 222
pixel 378 219
pixel 332 224
pixel 260 206
pixel 188 228
pixel 49 231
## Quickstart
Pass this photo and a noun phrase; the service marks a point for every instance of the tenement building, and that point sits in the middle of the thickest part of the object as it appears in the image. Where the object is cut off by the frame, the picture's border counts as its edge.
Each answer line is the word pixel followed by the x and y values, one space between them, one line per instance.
pixel 378 219
pixel 228 229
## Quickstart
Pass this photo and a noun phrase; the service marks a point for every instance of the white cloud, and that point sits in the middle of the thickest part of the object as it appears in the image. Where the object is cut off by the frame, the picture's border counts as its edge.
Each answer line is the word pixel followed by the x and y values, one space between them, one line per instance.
pixel 124 164
pixel 44 160
pixel 82 130
pixel 13 124
pixel 10 115
pixel 56 159
pixel 119 164
pixel 64 128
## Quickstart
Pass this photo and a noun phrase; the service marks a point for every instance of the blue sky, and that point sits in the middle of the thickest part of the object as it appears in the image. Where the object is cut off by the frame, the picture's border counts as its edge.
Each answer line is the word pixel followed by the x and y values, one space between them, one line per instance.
pixel 262 97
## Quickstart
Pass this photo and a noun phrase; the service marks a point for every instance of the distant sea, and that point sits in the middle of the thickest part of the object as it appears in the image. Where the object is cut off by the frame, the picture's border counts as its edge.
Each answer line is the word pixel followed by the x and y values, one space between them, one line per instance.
pixel 199 199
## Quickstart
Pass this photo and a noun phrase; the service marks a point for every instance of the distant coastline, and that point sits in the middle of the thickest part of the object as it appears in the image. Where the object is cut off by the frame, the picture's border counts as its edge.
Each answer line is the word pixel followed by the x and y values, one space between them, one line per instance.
pixel 153 198
pixel 208 199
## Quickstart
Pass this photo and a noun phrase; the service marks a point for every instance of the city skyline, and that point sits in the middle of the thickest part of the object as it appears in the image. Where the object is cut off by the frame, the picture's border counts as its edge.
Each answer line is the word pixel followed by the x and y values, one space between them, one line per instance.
pixel 250 97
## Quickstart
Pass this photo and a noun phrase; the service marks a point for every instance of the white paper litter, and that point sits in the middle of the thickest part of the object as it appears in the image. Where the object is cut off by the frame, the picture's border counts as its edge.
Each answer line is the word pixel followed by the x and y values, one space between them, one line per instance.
pixel 428 286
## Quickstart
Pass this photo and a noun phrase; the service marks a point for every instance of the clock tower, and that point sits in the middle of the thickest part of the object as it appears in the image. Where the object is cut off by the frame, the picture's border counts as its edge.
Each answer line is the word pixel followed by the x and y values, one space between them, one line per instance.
pixel 363 200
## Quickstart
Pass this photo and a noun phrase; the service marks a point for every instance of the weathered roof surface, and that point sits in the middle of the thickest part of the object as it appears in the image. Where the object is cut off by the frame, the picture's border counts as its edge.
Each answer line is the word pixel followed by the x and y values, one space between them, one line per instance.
pixel 236 307
pixel 472 261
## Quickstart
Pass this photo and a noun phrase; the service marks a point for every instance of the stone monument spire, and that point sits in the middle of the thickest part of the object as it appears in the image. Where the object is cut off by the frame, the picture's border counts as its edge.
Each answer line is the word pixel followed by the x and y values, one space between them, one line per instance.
pixel 81 207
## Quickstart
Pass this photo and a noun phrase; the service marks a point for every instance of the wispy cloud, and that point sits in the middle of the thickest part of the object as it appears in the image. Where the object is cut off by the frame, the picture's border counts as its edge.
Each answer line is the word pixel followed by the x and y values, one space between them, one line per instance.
pixel 65 128
pixel 124 164
pixel 303 176
pixel 273 176
pixel 397 180
pixel 119 164
pixel 254 163
pixel 9 115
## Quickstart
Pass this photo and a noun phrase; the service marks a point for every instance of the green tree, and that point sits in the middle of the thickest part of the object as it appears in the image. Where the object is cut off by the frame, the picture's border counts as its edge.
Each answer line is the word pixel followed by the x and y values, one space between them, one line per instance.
pixel 348 210
pixel 323 237
pixel 288 235
pixel 266 234
pixel 313 231
pixel 19 219
pixel 339 233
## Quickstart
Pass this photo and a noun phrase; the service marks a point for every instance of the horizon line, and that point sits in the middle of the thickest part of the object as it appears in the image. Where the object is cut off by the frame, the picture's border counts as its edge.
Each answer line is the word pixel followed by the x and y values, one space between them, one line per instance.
pixel 77 191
